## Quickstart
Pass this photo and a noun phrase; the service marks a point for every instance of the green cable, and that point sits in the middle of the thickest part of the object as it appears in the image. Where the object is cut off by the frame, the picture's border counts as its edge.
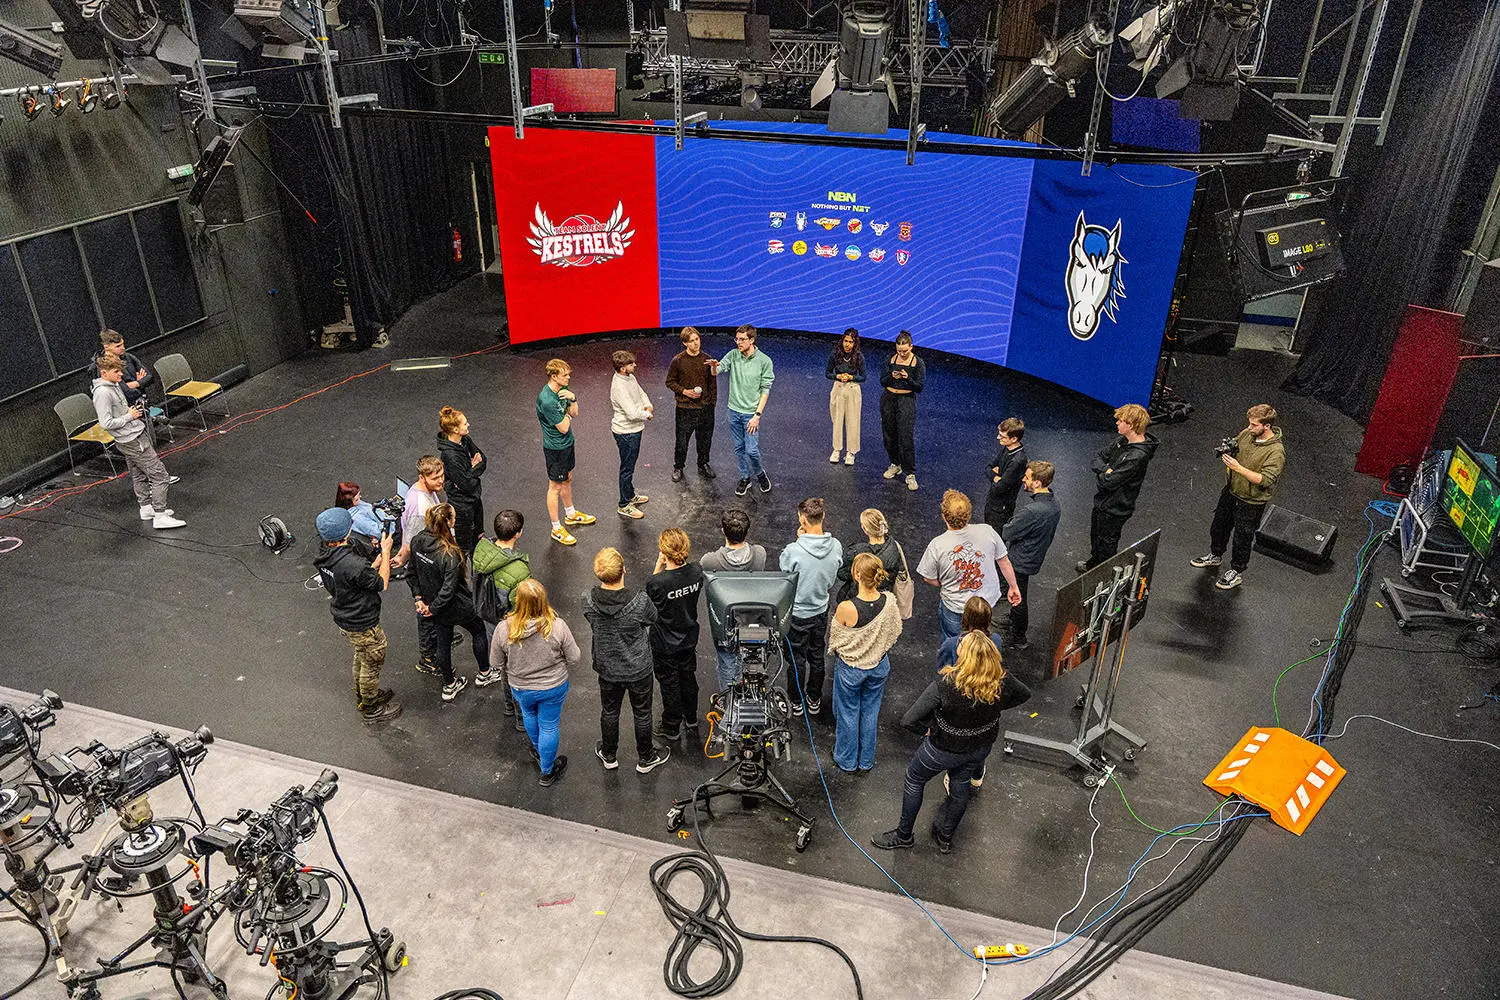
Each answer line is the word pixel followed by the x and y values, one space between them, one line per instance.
pixel 1180 833
pixel 1276 712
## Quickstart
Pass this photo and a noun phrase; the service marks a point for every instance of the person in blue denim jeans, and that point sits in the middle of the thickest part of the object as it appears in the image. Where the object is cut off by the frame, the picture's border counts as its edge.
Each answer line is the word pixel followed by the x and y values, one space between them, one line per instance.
pixel 750 376
pixel 865 627
pixel 960 714
pixel 534 649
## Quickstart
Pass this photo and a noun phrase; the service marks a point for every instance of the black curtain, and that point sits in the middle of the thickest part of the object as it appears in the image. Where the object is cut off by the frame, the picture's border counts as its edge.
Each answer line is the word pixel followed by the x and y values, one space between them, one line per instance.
pixel 1392 248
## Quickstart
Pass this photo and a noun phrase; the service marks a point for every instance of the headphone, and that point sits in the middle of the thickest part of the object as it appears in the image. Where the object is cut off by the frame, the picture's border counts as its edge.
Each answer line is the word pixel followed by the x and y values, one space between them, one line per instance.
pixel 275 535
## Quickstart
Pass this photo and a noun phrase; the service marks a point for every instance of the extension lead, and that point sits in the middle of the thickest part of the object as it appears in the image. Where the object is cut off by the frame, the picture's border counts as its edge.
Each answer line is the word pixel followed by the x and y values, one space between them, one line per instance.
pixel 1008 950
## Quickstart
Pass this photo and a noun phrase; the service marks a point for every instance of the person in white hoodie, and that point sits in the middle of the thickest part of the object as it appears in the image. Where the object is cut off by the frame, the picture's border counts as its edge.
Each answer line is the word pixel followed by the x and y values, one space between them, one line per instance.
pixel 815 557
pixel 631 409
pixel 124 422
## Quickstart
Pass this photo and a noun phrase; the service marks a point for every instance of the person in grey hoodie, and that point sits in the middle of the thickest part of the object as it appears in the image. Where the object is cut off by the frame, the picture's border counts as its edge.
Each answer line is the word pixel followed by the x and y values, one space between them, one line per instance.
pixel 735 556
pixel 622 620
pixel 815 557
pixel 126 424
pixel 533 649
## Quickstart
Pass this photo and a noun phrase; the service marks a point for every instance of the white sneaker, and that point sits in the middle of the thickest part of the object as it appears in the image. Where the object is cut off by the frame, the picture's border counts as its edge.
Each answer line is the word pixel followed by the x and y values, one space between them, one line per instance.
pixel 849 458
pixel 892 472
pixel 911 481
pixel 166 520
pixel 148 512
pixel 834 458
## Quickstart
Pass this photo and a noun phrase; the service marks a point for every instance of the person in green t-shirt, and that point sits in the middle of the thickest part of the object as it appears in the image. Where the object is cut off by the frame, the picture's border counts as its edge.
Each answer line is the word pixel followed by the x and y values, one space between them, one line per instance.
pixel 556 406
pixel 750 378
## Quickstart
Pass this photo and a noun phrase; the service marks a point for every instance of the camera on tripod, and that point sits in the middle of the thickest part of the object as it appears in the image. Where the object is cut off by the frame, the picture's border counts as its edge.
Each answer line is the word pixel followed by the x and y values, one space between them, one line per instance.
pixel 252 841
pixel 20 729
pixel 1227 446
pixel 117 778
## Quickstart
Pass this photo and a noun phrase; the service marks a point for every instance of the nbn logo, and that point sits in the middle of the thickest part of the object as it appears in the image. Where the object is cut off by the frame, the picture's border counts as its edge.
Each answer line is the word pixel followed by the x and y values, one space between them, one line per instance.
pixel 842 196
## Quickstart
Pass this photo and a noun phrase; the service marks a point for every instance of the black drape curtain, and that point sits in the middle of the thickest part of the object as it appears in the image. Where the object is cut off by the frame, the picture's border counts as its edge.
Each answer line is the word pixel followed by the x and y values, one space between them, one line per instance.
pixel 1406 207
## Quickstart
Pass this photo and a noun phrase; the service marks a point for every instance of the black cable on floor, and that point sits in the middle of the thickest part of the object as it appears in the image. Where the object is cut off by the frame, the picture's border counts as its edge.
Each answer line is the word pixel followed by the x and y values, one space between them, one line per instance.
pixel 385 979
pixel 709 924
pixel 41 967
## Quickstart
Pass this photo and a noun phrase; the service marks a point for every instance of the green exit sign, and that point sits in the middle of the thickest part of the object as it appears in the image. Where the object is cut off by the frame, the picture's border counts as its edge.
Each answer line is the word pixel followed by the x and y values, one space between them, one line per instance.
pixel 492 57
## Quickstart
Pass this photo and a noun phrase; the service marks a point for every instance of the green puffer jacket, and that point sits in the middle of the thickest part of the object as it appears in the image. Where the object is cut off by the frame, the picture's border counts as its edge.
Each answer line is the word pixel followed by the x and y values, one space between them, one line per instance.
pixel 505 567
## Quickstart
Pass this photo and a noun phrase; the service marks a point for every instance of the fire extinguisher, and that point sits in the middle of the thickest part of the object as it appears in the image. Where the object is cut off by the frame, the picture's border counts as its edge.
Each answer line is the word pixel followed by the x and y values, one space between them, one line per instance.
pixel 458 245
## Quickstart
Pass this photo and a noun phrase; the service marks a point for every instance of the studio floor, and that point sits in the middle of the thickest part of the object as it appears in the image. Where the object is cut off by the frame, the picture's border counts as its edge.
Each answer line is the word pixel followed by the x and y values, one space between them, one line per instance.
pixel 1390 893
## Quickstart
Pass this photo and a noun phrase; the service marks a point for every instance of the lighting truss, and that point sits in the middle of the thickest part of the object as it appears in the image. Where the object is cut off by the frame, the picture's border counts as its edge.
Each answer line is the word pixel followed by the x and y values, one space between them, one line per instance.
pixel 804 55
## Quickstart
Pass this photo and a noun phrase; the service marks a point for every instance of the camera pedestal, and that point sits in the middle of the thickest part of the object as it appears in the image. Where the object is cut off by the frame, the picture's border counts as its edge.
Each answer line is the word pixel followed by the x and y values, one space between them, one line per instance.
pixel 754 783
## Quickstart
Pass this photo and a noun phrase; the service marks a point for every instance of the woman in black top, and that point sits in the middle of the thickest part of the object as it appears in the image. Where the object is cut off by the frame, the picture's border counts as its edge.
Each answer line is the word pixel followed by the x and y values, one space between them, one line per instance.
pixel 880 545
pixel 463 464
pixel 846 370
pixel 440 583
pixel 960 713
pixel 903 376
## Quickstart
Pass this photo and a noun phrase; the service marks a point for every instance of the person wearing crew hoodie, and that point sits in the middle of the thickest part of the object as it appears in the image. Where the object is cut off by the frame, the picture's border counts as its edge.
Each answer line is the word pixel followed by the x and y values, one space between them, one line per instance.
pixel 815 557
pixel 630 409
pixel 621 620
pixel 735 556
pixel 125 423
pixel 1120 469
pixel 463 464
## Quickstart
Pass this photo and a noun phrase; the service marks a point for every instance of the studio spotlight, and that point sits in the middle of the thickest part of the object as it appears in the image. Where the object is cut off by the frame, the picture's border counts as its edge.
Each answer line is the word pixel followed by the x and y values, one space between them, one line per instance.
pixel 1050 78
pixel 752 85
pixel 857 83
pixel 30 102
pixel 86 96
pixel 59 102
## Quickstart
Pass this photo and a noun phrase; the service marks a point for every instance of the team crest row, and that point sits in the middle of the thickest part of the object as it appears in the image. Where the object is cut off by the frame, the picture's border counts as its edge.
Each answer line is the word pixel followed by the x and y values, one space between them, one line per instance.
pixel 903 229
pixel 799 247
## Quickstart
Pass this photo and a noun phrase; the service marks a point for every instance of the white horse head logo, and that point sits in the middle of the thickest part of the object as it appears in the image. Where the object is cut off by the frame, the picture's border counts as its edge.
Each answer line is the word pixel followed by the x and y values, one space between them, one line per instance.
pixel 1094 283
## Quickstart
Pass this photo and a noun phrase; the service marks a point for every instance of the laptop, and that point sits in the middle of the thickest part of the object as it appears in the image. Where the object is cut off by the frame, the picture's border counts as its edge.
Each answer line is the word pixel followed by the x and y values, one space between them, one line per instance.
pixel 401 487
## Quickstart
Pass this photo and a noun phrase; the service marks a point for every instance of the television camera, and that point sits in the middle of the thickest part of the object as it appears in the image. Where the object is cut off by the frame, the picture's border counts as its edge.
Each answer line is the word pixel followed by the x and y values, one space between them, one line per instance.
pixel 749 614
pixel 1227 446
pixel 278 900
pixel 96 777
pixel 27 831
pixel 21 729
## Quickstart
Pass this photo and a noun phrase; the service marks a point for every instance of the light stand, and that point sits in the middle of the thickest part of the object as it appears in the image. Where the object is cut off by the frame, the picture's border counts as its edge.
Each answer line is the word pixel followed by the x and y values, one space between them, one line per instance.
pixel 1112 608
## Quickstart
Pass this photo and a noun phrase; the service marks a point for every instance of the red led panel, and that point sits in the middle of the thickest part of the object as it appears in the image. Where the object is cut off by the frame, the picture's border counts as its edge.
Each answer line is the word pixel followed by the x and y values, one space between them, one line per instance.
pixel 574 90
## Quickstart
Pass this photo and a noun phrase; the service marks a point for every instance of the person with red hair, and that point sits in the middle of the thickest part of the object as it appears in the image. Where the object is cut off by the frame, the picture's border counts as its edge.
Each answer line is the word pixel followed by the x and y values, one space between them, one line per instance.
pixel 366 521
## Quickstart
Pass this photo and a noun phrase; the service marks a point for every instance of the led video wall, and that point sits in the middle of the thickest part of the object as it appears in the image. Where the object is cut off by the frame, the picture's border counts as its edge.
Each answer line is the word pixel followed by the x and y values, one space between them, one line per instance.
pixel 1018 262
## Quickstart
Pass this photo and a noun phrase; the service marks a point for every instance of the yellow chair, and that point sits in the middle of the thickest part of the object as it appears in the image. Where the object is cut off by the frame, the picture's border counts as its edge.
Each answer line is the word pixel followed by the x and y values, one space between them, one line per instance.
pixel 177 381
pixel 81 424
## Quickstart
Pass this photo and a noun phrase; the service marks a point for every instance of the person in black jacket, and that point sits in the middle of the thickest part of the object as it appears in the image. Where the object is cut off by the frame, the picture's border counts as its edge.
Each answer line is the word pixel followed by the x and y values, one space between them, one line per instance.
pixel 903 376
pixel 846 370
pixel 621 652
pixel 354 584
pixel 674 588
pixel 1005 474
pixel 1027 537
pixel 960 714
pixel 1120 470
pixel 440 583
pixel 880 545
pixel 137 375
pixel 463 464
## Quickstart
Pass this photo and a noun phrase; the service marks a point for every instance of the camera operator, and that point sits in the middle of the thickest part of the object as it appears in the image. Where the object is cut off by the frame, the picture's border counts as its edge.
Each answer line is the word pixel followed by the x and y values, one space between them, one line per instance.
pixel 355 584
pixel 1254 461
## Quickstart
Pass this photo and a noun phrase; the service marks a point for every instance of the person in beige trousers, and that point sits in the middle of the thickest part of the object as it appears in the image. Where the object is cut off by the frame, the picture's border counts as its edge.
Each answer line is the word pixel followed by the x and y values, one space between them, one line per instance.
pixel 846 370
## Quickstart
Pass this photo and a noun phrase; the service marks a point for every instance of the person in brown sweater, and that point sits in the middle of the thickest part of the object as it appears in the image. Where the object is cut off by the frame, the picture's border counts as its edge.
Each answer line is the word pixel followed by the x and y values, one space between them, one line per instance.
pixel 693 385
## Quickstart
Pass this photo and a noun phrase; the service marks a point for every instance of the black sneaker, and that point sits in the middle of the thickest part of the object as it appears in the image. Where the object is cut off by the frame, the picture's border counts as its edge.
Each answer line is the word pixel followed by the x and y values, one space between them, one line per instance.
pixel 609 760
pixel 549 778
pixel 742 488
pixel 764 481
pixel 944 844
pixel 707 471
pixel 1018 645
pixel 676 475
pixel 450 691
pixel 661 732
pixel 814 706
pixel 426 666
pixel 657 759
pixel 388 712
pixel 892 840
pixel 536 755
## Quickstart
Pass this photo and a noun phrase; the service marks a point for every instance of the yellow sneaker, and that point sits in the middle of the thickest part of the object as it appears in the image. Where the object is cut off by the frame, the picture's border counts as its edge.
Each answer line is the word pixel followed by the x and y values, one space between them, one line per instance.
pixel 562 537
pixel 579 517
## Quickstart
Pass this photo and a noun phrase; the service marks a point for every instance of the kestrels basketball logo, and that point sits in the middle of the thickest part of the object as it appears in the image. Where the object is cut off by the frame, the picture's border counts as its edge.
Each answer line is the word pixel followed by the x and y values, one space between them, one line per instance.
pixel 1095 287
pixel 580 240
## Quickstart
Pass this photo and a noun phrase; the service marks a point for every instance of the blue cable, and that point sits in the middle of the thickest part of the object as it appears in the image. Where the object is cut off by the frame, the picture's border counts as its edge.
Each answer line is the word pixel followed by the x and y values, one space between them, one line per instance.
pixel 1036 953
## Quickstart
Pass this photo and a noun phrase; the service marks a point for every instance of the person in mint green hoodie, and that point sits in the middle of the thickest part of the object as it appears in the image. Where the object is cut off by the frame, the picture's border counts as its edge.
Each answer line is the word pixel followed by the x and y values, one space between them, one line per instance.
pixel 506 568
pixel 815 557
pixel 750 376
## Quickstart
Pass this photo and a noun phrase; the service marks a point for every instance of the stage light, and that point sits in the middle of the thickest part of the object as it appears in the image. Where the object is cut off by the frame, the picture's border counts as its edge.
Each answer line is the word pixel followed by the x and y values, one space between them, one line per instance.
pixel 86 97
pixel 59 102
pixel 1050 78
pixel 719 29
pixel 751 87
pixel 1204 68
pixel 857 83
pixel 31 105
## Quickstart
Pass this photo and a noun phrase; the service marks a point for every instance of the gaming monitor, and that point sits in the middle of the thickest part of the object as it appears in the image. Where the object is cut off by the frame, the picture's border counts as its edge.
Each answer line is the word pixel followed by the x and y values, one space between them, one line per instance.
pixel 763 598
pixel 1471 498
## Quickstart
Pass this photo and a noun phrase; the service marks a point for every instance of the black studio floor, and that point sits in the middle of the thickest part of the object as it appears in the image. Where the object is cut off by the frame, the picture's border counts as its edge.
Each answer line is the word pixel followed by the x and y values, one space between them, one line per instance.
pixel 1391 892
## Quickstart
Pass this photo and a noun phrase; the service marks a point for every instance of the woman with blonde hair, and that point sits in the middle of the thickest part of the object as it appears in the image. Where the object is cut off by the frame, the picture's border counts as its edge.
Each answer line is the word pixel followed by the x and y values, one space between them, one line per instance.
pixel 879 544
pixel 533 650
pixel 864 629
pixel 440 584
pixel 960 714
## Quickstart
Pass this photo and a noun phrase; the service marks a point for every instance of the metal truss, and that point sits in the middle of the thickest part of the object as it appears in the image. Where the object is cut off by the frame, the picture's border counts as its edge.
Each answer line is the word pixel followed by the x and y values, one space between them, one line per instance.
pixel 796 54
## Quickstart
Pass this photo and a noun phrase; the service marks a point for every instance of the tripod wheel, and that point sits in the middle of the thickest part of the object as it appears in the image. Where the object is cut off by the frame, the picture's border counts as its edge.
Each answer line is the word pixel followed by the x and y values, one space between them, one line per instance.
pixel 804 835
pixel 395 954
pixel 674 818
